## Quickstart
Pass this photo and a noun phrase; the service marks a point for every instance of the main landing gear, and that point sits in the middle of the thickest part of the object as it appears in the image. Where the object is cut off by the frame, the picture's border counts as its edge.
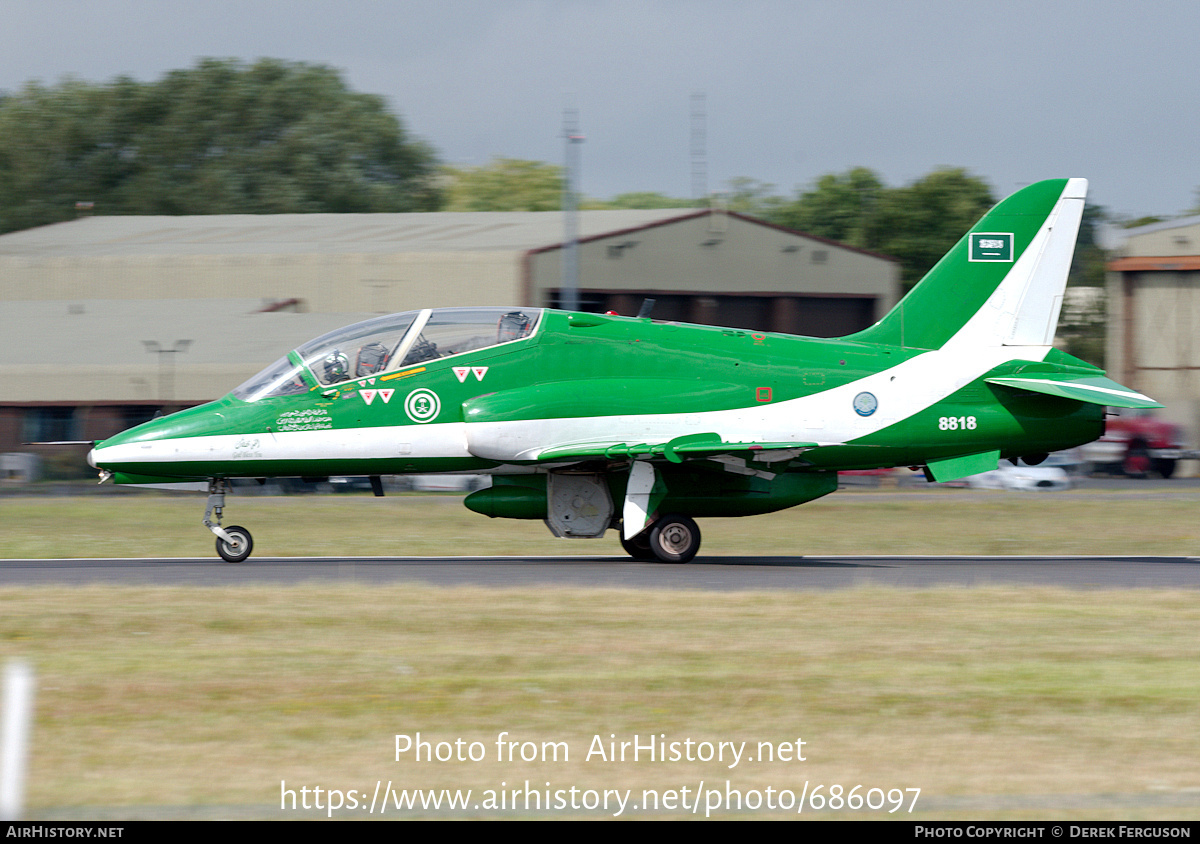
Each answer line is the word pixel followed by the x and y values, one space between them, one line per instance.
pixel 671 539
pixel 234 543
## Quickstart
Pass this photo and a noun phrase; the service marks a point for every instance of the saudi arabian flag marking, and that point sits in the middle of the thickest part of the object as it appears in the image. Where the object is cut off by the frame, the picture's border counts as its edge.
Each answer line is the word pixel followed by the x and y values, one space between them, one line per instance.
pixel 991 246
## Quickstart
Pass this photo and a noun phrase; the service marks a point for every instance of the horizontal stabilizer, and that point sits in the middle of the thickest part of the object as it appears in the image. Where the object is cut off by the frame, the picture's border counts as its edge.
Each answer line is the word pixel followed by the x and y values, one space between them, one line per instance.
pixel 1085 387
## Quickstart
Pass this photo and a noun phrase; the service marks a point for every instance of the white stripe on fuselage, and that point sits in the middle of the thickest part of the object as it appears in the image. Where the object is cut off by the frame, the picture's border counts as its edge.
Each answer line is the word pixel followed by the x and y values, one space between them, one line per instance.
pixel 902 391
pixel 393 441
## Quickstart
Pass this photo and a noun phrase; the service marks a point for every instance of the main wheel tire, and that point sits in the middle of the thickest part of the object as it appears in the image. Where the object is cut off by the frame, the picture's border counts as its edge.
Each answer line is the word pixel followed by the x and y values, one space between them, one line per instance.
pixel 639 546
pixel 239 549
pixel 675 539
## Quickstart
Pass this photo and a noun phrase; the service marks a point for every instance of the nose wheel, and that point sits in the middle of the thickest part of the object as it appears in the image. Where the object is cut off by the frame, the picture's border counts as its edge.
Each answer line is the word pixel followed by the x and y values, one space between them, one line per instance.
pixel 237 547
pixel 234 543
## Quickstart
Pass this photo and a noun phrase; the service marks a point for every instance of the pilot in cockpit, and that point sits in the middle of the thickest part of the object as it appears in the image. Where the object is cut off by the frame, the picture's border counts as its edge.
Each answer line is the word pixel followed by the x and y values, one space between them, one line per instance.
pixel 337 367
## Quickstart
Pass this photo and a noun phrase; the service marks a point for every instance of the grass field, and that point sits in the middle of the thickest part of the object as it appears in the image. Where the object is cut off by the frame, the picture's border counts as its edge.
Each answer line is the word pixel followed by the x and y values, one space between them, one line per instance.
pixel 995 702
pixel 938 522
pixel 162 699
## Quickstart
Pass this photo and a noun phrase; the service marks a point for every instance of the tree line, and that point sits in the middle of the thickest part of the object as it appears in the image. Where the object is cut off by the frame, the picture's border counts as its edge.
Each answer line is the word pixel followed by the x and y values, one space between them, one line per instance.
pixel 221 137
pixel 274 137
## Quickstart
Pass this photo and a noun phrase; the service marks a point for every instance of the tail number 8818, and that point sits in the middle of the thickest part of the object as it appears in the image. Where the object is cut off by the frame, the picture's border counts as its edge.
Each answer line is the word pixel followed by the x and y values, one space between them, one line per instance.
pixel 957 423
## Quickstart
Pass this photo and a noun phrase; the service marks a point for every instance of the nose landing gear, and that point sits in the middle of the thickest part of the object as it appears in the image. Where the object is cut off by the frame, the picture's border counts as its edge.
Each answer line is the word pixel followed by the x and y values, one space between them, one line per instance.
pixel 234 543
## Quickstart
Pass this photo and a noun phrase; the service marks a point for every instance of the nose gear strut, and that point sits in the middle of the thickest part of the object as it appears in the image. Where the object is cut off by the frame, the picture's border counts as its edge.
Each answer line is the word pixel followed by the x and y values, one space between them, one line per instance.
pixel 234 543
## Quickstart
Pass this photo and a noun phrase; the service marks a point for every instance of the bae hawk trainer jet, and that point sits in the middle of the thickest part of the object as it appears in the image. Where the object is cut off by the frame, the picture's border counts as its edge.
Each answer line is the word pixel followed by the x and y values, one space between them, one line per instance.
pixel 596 422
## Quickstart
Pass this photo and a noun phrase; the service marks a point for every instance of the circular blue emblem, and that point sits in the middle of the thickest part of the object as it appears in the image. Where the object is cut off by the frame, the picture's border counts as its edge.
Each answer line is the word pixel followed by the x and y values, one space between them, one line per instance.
pixel 865 404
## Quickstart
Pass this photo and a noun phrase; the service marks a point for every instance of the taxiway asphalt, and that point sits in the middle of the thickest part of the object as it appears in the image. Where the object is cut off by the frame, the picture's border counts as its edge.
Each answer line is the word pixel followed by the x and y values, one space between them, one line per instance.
pixel 703 573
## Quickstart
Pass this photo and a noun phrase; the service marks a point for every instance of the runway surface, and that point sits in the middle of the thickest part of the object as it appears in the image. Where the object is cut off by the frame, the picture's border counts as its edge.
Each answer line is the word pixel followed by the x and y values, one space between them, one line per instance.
pixel 704 573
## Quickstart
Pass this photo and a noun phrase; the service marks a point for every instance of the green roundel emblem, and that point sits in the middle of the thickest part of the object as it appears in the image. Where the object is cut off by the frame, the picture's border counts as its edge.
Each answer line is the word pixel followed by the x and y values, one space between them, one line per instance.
pixel 865 404
pixel 422 405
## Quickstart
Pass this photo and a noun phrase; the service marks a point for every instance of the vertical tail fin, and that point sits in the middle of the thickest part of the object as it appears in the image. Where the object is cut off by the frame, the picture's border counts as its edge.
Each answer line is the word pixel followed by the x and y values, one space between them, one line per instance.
pixel 1002 284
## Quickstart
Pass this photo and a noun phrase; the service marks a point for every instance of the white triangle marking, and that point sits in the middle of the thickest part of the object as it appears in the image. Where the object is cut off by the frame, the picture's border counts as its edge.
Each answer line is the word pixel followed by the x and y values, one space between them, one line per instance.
pixel 386 395
pixel 479 371
pixel 368 395
pixel 460 372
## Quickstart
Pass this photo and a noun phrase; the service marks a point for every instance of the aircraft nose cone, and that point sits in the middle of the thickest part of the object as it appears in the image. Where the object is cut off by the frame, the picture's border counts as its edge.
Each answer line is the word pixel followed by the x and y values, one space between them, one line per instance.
pixel 91 458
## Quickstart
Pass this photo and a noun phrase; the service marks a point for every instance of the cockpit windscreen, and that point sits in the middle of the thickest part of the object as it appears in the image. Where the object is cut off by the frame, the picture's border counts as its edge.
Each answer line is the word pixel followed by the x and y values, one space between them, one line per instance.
pixel 388 343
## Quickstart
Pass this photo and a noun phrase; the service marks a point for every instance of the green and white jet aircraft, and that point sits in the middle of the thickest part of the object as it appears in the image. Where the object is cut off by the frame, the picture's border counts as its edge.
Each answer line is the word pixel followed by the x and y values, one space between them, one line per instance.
pixel 592 422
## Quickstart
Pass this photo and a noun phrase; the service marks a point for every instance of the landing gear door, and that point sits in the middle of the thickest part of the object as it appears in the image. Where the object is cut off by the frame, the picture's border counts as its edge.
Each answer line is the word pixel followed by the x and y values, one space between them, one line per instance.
pixel 579 505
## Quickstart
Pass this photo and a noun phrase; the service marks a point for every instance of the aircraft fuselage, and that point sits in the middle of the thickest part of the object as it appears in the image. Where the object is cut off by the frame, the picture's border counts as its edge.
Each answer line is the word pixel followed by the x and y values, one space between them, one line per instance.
pixel 583 378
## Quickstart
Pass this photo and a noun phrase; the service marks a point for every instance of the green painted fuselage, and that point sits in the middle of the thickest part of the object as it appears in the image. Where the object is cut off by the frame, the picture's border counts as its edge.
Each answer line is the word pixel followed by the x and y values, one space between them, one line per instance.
pixel 585 366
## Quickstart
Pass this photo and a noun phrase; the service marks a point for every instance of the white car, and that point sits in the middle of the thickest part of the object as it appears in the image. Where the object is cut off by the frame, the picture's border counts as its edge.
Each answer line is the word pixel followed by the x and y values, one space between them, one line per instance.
pixel 1025 478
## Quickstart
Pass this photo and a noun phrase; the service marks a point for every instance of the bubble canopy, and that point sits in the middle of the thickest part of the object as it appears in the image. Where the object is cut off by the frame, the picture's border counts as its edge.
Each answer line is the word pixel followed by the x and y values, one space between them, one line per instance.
pixel 388 343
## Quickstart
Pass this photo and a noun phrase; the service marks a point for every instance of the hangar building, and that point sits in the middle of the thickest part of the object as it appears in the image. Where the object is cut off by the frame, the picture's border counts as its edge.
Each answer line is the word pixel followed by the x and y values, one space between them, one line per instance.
pixel 1154 318
pixel 107 319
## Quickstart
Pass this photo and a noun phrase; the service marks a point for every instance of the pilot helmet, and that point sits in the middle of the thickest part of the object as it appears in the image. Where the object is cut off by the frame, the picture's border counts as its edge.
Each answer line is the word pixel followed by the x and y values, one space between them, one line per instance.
pixel 337 367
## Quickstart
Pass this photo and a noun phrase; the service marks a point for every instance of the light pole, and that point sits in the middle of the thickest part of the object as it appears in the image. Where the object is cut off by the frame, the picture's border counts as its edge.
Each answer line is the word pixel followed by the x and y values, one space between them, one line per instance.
pixel 569 295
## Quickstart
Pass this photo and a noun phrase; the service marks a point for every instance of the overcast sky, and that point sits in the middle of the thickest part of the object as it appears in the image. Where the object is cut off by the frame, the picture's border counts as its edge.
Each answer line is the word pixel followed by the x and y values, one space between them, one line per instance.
pixel 1012 91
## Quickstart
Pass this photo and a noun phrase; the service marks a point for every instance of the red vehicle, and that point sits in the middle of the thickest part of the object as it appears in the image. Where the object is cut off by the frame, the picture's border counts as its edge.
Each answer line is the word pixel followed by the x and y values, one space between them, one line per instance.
pixel 1137 444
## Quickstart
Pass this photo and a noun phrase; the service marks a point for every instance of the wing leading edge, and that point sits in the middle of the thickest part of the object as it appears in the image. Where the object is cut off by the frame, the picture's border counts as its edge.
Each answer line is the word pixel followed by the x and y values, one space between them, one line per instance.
pixel 677 449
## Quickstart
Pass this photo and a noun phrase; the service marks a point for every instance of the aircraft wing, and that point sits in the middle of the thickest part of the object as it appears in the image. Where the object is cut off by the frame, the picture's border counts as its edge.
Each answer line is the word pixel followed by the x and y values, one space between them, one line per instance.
pixel 1080 386
pixel 677 449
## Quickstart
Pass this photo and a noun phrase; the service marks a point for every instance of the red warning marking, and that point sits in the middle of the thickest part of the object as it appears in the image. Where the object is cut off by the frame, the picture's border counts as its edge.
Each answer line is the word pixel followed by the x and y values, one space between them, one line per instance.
pixel 367 395
pixel 386 395
pixel 479 371
pixel 460 372
pixel 762 394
